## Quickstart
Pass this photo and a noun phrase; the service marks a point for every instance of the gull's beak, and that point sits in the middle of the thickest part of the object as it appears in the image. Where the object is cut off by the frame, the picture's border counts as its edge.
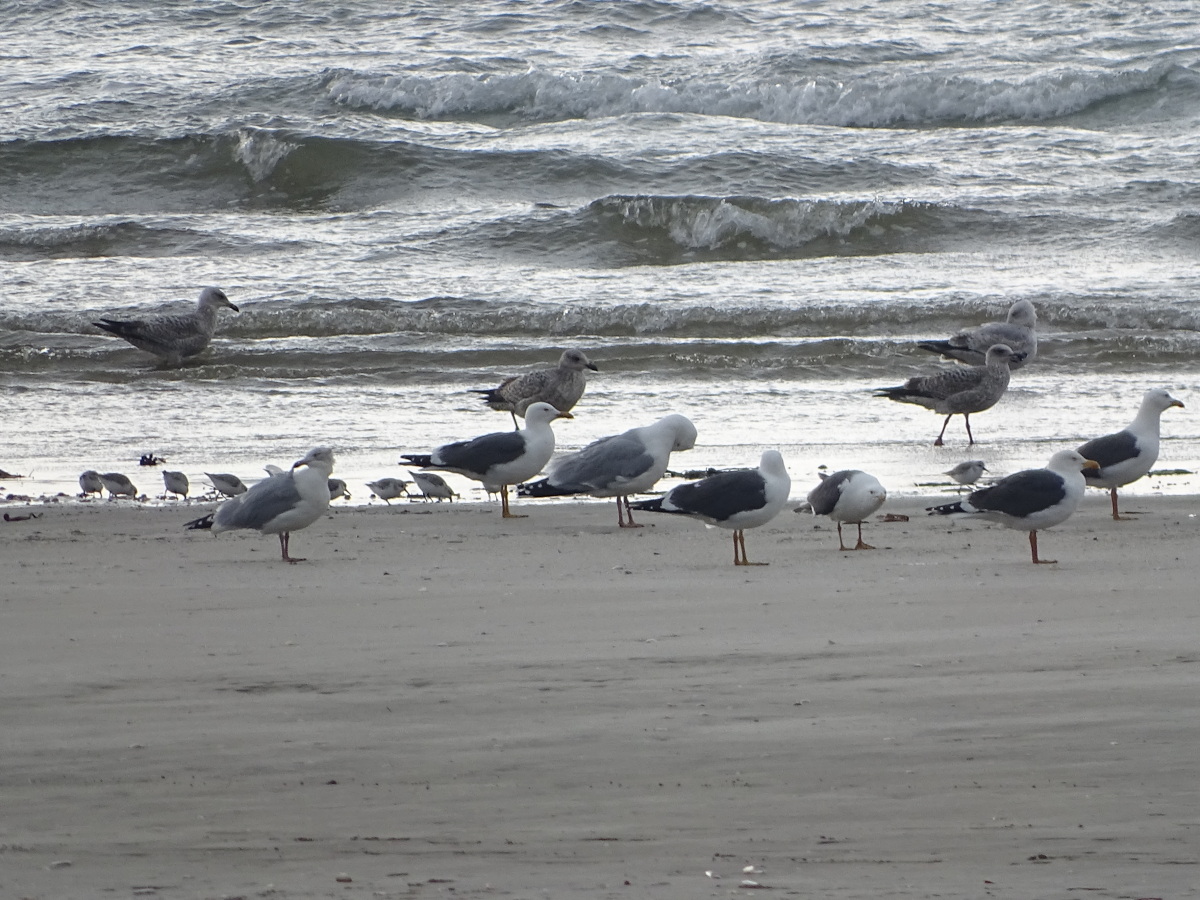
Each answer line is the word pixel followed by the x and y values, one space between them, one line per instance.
pixel 564 415
pixel 1091 464
pixel 234 308
pixel 1177 403
pixel 593 367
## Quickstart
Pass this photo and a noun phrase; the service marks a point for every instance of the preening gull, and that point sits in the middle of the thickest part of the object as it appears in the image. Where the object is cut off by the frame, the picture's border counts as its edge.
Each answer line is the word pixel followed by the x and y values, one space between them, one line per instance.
pixel 388 489
pixel 1019 333
pixel 175 483
pixel 433 486
pixel 173 337
pixel 958 391
pixel 967 472
pixel 846 496
pixel 744 498
pixel 117 485
pixel 561 386
pixel 1127 455
pixel 90 483
pixel 619 465
pixel 280 504
pixel 224 483
pixel 1029 500
pixel 502 458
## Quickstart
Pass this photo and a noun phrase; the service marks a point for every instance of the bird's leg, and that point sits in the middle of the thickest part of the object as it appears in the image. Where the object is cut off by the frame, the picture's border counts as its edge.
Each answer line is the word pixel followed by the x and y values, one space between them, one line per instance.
pixel 942 433
pixel 862 545
pixel 624 501
pixel 1117 517
pixel 285 538
pixel 739 540
pixel 967 422
pixel 504 505
pixel 513 413
pixel 1033 547
pixel 841 543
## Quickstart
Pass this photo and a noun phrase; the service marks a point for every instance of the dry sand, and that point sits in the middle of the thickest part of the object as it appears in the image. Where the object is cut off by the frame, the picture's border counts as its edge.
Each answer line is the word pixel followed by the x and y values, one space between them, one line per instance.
pixel 440 703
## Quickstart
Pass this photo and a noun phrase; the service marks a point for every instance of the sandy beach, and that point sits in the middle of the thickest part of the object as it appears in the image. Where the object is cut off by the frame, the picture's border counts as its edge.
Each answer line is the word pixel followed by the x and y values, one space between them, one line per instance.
pixel 442 703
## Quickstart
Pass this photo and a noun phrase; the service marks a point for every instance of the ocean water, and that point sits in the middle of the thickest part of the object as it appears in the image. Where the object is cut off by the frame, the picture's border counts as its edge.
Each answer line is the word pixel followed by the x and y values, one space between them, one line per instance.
pixel 746 212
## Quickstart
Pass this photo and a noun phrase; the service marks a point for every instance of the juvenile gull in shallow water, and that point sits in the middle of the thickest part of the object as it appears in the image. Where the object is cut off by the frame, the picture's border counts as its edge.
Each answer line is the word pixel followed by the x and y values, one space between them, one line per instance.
pixel 432 486
pixel 958 391
pixel 1019 333
pixel 388 489
pixel 502 458
pixel 1127 455
pixel 117 485
pixel 846 496
pixel 1029 500
pixel 173 337
pixel 561 386
pixel 280 504
pixel 737 500
pixel 224 483
pixel 175 483
pixel 619 465
pixel 90 483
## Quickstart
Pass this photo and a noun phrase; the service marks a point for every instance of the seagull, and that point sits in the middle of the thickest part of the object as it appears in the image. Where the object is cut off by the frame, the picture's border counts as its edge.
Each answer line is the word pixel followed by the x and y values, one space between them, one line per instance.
pixel 173 337
pixel 338 488
pixel 846 496
pixel 1127 455
pixel 1019 333
pixel 280 504
pixel 431 484
pixel 175 483
pixel 388 489
pixel 117 485
pixel 619 465
pixel 958 391
pixel 223 483
pixel 966 472
pixel 561 387
pixel 1029 500
pixel 501 458
pixel 737 500
pixel 90 483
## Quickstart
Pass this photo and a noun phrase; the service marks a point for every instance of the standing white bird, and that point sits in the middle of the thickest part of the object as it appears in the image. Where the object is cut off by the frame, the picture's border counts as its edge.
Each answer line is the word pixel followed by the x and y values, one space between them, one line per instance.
pixel 561 386
pixel 619 465
pixel 1019 333
pixel 117 485
pixel 173 337
pixel 433 486
pixel 958 391
pixel 846 496
pixel 224 483
pixel 967 472
pixel 502 458
pixel 175 483
pixel 90 483
pixel 280 504
pixel 388 489
pixel 737 500
pixel 1030 500
pixel 1131 453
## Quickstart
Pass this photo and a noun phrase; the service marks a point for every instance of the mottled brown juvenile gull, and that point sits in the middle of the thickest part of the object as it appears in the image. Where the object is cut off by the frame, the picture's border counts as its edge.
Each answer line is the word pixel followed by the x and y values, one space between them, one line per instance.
pixel 1019 333
pixel 500 459
pixel 619 465
pixel 1127 455
pixel 846 496
pixel 1030 500
pixel 958 391
pixel 173 337
pixel 561 386
pixel 737 500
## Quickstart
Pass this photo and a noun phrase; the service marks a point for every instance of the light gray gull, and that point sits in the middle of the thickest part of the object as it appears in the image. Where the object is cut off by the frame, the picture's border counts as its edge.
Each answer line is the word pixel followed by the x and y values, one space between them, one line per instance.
pixel 966 473
pixel 173 337
pixel 737 500
pixel 502 458
pixel 958 391
pixel 619 465
pixel 338 488
pixel 90 483
pixel 1127 455
pixel 117 485
pixel 224 483
pixel 433 486
pixel 1030 500
pixel 561 386
pixel 1018 333
pixel 280 504
pixel 388 489
pixel 847 496
pixel 175 483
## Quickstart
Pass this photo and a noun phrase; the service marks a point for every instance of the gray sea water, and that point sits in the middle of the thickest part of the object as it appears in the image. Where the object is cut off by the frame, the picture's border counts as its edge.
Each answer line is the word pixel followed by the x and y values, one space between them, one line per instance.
pixel 746 212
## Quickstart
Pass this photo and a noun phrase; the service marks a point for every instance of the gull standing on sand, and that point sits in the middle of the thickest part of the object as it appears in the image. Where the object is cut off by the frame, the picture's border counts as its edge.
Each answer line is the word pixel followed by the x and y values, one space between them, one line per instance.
pixel 224 483
pixel 1019 333
pixel 118 485
pixel 175 483
pixel 173 337
pixel 1029 500
pixel 388 489
pixel 1131 453
pixel 502 458
pixel 744 498
pixel 90 483
pixel 958 391
pixel 433 486
pixel 280 504
pixel 619 465
pixel 561 386
pixel 966 473
pixel 847 496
